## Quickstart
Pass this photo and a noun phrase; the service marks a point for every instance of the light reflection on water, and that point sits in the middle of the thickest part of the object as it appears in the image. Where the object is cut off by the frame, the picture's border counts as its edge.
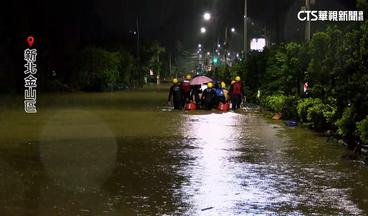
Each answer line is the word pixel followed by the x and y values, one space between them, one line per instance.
pixel 212 183
pixel 240 166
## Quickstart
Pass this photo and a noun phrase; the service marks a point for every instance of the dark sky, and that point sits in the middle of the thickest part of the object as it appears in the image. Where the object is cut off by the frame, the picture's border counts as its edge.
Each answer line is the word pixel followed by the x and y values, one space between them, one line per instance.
pixel 166 20
pixel 63 26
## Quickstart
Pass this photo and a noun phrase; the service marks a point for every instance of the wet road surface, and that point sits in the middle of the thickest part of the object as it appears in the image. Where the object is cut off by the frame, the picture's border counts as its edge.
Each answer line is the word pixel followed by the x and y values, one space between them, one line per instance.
pixel 91 155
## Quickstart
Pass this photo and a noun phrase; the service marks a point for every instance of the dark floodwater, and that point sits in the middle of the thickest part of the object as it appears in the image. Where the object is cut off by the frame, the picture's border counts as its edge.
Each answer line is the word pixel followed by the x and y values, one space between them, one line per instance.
pixel 120 154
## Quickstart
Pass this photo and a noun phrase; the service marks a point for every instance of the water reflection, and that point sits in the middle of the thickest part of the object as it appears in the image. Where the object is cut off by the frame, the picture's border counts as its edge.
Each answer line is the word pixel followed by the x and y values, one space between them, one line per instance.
pixel 241 164
pixel 213 183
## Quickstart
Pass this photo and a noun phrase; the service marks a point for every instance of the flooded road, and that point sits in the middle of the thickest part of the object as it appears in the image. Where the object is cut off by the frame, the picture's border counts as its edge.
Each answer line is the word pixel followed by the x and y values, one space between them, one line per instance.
pixel 121 154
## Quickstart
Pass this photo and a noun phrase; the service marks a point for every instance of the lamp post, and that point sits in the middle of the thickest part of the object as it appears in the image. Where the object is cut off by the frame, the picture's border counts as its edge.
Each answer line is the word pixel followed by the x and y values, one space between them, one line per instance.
pixel 245 29
pixel 226 42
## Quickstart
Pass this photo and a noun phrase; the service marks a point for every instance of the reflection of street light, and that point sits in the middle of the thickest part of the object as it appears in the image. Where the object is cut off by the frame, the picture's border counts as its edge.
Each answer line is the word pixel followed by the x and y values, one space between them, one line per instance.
pixel 207 16
pixel 208 53
pixel 218 45
pixel 203 30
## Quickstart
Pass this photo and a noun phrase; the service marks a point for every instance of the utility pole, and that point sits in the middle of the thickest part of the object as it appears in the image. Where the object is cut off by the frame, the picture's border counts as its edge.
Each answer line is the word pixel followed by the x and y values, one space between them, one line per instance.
pixel 245 29
pixel 170 64
pixel 308 23
pixel 138 51
pixel 226 44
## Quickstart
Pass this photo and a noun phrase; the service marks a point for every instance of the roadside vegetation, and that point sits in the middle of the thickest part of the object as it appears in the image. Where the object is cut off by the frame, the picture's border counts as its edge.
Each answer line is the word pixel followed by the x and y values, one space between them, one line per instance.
pixel 334 63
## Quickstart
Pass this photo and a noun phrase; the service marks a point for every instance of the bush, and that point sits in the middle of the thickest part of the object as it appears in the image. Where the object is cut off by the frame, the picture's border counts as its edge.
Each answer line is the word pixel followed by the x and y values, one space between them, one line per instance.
pixel 321 115
pixel 275 102
pixel 304 105
pixel 282 104
pixel 362 130
pixel 346 124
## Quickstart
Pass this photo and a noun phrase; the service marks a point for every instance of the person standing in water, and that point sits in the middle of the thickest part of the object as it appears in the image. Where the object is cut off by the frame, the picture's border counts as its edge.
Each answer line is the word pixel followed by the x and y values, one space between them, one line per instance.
pixel 176 95
pixel 186 89
pixel 208 96
pixel 237 93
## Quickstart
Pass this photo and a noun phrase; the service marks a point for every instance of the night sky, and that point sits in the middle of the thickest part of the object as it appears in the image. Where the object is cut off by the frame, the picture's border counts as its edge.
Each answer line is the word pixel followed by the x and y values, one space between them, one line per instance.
pixel 60 27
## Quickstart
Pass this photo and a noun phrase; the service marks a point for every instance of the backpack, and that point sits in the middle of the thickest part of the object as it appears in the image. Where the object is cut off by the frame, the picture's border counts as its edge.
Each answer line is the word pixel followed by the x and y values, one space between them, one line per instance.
pixel 237 89
pixel 219 92
pixel 210 95
pixel 176 88
pixel 186 86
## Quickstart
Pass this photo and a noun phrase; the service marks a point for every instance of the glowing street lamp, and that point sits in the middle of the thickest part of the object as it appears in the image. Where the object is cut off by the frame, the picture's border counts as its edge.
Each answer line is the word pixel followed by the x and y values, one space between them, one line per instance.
pixel 233 30
pixel 199 45
pixel 207 16
pixel 203 30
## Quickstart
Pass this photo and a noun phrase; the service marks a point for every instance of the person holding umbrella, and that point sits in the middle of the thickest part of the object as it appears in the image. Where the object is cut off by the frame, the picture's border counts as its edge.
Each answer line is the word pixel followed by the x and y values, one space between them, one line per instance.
pixel 197 91
pixel 196 94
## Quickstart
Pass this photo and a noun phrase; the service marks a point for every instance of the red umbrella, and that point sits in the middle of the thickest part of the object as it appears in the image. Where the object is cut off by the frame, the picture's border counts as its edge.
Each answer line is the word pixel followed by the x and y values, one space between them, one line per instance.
pixel 200 80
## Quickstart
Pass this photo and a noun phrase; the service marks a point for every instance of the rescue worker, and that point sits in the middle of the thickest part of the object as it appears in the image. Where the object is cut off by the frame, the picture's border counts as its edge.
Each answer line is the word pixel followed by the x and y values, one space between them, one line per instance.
pixel 176 95
pixel 236 93
pixel 186 88
pixel 220 96
pixel 196 95
pixel 226 92
pixel 208 96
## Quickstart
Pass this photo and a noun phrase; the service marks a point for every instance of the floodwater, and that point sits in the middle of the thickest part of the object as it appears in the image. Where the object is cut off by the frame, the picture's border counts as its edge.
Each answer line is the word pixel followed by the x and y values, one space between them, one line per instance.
pixel 124 154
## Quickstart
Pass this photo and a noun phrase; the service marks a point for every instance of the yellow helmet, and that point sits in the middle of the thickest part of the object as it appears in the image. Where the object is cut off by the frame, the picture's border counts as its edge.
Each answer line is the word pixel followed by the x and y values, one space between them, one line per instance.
pixel 210 85
pixel 223 84
pixel 175 81
pixel 237 78
pixel 233 81
pixel 188 77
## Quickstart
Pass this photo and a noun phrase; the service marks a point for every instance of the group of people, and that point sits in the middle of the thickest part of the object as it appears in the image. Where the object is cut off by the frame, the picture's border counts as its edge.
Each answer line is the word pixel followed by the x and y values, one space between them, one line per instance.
pixel 211 96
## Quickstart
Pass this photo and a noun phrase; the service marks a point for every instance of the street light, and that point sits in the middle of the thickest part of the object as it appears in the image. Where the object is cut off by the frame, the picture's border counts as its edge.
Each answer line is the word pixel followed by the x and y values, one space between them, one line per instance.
pixel 203 30
pixel 207 16
pixel 199 45
pixel 233 30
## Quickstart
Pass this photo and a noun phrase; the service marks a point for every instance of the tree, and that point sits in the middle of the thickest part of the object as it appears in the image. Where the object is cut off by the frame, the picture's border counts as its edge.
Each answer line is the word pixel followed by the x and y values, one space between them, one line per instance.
pixel 284 70
pixel 151 56
pixel 98 69
pixel 128 68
